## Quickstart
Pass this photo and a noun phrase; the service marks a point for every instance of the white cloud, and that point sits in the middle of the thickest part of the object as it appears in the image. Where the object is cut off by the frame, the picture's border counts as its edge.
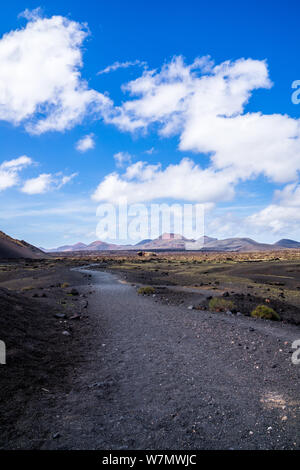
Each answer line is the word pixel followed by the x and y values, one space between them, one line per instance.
pixel 45 182
pixel 17 163
pixel 40 81
pixel 122 65
pixel 31 14
pixel 9 171
pixel 86 143
pixel 9 177
pixel 66 179
pixel 38 185
pixel 283 215
pixel 205 106
pixel 202 103
pixel 182 90
pixel 184 181
pixel 81 209
pixel 150 151
pixel 121 158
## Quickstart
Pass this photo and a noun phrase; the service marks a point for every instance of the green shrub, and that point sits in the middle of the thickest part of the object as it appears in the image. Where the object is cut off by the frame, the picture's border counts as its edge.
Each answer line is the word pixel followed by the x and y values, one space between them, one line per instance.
pixel 146 290
pixel 218 304
pixel 262 311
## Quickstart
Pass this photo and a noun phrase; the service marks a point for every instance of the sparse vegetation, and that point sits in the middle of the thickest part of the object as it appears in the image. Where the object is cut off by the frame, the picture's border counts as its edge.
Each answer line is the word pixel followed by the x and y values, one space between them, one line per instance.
pixel 64 285
pixel 146 290
pixel 267 313
pixel 73 292
pixel 218 304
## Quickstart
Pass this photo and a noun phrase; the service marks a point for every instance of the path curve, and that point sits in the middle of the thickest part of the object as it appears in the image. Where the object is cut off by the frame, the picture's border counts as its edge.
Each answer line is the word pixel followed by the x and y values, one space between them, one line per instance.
pixel 161 377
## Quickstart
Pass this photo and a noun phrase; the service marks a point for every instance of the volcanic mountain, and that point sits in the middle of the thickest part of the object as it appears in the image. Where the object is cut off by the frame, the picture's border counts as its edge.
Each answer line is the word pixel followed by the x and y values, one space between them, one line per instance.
pixel 237 244
pixel 12 248
pixel 95 246
pixel 286 243
pixel 173 241
pixel 166 241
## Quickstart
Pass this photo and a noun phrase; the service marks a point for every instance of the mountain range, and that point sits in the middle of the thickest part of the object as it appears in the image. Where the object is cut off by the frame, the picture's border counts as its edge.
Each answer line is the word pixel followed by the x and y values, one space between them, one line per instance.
pixel 12 248
pixel 171 241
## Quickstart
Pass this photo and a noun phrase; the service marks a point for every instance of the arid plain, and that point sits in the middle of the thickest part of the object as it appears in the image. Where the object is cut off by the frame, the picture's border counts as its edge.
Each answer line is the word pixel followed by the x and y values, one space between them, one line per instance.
pixel 60 319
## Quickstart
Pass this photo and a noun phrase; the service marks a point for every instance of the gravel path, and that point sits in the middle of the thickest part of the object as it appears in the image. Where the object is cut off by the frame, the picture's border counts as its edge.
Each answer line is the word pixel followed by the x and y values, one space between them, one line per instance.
pixel 154 376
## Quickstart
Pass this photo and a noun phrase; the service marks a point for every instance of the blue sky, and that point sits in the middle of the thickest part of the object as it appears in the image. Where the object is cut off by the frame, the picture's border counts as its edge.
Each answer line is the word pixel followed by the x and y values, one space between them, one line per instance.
pixel 50 199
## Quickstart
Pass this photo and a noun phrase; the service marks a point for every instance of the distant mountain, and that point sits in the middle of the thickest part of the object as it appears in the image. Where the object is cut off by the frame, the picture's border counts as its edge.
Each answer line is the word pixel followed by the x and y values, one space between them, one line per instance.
pixel 286 243
pixel 207 239
pixel 143 242
pixel 100 246
pixel 12 248
pixel 77 247
pixel 237 244
pixel 200 243
pixel 174 241
pixel 94 246
pixel 166 241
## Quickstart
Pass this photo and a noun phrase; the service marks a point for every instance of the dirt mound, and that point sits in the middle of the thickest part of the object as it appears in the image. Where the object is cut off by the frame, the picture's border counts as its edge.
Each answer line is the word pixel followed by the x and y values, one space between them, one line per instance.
pixel 11 248
pixel 35 356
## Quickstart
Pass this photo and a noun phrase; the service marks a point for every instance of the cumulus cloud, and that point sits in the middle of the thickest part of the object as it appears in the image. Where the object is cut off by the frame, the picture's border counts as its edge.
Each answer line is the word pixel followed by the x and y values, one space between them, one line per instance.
pixel 9 177
pixel 202 103
pixel 9 171
pixel 168 96
pixel 283 215
pixel 121 158
pixel 45 182
pixel 38 185
pixel 86 143
pixel 122 65
pixel 40 81
pixel 184 181
pixel 205 106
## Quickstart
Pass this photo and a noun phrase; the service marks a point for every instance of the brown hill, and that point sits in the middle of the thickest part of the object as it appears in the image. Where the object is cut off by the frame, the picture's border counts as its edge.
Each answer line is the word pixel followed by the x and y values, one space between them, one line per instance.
pixel 286 243
pixel 94 246
pixel 12 248
pixel 166 241
pixel 237 244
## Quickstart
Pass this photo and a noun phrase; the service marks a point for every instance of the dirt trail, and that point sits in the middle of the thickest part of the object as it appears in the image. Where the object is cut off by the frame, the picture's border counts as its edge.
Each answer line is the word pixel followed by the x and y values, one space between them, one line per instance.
pixel 155 376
